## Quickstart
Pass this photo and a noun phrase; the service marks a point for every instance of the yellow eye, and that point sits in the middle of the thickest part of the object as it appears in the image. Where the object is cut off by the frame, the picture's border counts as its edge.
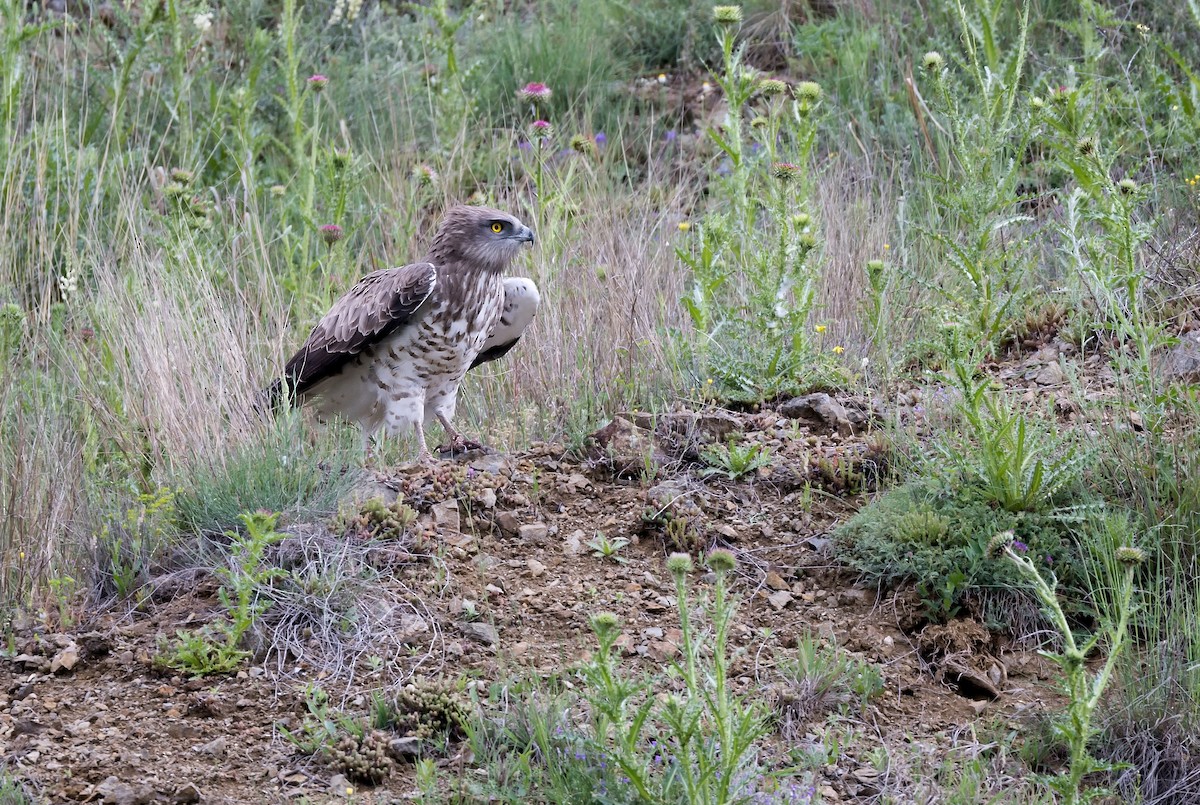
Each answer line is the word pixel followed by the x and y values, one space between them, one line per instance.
pixel 497 227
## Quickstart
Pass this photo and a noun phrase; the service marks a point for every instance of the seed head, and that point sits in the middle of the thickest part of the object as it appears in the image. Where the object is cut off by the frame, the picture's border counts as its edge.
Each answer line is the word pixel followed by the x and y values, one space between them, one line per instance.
pixel 331 234
pixel 809 91
pixel 1130 556
pixel 424 174
pixel 604 623
pixel 785 172
pixel 583 144
pixel 679 564
pixel 772 86
pixel 801 220
pixel 998 544
pixel 808 241
pixel 534 91
pixel 721 560
pixel 933 62
pixel 1127 187
pixel 727 15
pixel 278 190
pixel 184 177
pixel 317 82
pixel 1086 146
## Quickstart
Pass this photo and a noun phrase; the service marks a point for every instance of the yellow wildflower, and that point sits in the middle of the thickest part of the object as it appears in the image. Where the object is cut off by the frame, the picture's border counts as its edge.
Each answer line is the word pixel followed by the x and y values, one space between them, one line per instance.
pixel 839 350
pixel 684 226
pixel 820 328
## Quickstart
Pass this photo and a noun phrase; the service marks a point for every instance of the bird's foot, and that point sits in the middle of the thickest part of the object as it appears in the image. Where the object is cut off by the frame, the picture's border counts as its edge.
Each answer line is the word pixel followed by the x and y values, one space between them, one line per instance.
pixel 458 445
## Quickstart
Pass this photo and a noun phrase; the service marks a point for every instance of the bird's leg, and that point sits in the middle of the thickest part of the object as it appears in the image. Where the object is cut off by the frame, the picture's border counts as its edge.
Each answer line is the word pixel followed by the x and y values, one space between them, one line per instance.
pixel 458 443
pixel 423 455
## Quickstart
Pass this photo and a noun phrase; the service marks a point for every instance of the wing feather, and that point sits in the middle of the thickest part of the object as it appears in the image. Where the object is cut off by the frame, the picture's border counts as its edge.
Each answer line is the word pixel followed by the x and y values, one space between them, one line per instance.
pixel 380 304
pixel 521 299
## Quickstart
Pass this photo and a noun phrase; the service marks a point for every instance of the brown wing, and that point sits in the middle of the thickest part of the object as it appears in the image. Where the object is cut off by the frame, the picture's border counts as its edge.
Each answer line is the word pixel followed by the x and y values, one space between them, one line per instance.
pixel 379 305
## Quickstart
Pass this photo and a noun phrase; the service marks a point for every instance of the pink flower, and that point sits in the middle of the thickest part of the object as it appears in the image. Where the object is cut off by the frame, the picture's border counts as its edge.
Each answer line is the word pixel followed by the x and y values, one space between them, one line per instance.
pixel 534 91
pixel 317 82
pixel 331 234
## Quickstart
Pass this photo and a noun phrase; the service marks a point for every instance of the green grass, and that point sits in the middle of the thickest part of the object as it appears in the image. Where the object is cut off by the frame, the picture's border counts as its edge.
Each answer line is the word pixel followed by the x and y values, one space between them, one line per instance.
pixel 160 258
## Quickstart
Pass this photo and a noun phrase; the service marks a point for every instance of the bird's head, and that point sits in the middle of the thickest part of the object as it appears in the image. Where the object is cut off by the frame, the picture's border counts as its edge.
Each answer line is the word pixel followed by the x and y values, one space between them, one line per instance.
pixel 480 236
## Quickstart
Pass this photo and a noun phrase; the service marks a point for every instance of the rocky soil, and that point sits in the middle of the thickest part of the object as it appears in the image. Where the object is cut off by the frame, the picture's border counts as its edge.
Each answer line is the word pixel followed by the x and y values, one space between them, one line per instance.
pixel 496 578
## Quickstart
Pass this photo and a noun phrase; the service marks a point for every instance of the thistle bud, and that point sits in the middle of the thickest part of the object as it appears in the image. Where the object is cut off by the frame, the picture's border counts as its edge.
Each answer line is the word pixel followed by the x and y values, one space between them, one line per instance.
pixel 1130 556
pixel 727 15
pixel 933 62
pixel 772 86
pixel 331 234
pixel 809 91
pixel 998 544
pixel 785 172
pixel 679 564
pixel 721 560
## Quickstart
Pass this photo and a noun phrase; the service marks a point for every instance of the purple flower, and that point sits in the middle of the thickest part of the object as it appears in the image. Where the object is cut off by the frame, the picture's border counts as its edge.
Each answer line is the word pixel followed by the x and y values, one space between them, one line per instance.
pixel 534 91
pixel 331 234
pixel 601 138
pixel 1019 546
pixel 317 82
pixel 670 135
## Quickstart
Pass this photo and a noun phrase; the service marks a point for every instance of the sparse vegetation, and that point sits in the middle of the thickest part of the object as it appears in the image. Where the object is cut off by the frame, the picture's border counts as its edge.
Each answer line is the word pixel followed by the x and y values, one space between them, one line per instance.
pixel 974 227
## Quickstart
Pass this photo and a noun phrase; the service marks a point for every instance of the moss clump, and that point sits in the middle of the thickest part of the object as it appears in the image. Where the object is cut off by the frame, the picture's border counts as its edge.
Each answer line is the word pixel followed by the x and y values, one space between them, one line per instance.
pixel 426 709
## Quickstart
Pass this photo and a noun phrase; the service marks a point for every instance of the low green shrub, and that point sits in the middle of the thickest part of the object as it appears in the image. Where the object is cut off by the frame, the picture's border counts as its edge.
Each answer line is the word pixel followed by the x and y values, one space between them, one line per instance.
pixel 936 537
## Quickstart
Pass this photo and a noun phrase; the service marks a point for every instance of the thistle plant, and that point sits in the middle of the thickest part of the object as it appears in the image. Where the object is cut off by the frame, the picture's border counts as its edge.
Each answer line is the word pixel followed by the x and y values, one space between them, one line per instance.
pixel 605 548
pixel 753 258
pixel 704 751
pixel 1084 689
pixel 735 461
pixel 980 234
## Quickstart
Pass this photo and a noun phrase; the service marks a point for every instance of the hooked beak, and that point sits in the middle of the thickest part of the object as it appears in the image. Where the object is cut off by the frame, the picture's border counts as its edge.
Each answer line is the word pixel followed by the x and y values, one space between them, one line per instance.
pixel 525 235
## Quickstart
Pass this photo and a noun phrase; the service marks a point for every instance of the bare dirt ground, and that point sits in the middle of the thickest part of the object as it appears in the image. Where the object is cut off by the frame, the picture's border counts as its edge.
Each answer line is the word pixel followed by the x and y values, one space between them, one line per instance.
pixel 85 716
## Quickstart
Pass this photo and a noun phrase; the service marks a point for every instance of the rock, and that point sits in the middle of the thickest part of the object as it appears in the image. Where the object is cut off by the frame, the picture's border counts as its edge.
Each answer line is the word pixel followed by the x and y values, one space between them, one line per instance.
pixel 404 748
pixel 340 786
pixel 483 633
pixel 536 568
pixel 493 591
pixel 779 600
pixel 445 515
pixel 775 581
pixel 112 790
pixel 573 544
pixel 95 645
pixel 64 660
pixel 508 523
pixel 1182 361
pixel 577 482
pixel 486 498
pixel 818 411
pixel 1051 374
pixel 216 746
pixel 713 426
pixel 853 595
pixel 661 650
pixel 492 463
pixel 188 792
pixel 624 447
pixel 533 532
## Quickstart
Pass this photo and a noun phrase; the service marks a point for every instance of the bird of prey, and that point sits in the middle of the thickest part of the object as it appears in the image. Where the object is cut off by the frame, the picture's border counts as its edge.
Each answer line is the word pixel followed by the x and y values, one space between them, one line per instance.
pixel 393 350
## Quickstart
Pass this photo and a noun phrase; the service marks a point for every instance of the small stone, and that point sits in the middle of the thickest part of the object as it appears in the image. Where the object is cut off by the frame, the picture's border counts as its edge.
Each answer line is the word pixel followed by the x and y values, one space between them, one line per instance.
pixel 819 411
pixel 780 599
pixel 508 523
pixel 573 544
pixel 483 633
pixel 402 748
pixel 445 515
pixel 728 532
pixel 493 590
pixel 216 746
pixel 188 792
pixel 339 785
pixel 775 581
pixel 1050 375
pixel 533 532
pixel 486 498
pixel 661 650
pixel 536 568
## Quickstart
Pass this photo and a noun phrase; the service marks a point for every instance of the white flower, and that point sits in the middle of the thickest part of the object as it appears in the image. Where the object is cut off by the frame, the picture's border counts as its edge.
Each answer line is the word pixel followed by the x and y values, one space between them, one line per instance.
pixel 203 22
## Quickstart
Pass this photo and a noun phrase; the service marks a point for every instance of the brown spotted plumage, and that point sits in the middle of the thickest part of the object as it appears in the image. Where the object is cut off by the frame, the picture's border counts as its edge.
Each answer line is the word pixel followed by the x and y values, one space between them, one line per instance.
pixel 392 351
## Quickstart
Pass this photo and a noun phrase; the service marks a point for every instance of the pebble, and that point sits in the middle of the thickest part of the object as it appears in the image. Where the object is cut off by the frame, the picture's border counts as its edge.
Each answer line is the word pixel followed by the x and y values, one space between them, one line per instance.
pixel 533 532
pixel 536 568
